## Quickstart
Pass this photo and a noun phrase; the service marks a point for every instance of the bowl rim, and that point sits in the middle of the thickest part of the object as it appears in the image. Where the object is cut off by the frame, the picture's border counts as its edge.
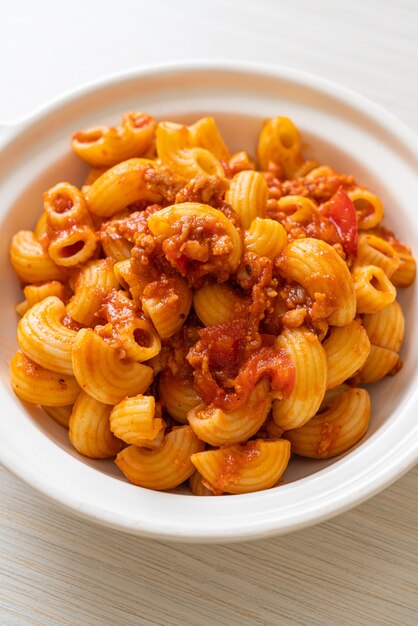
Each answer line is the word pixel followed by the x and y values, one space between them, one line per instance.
pixel 372 483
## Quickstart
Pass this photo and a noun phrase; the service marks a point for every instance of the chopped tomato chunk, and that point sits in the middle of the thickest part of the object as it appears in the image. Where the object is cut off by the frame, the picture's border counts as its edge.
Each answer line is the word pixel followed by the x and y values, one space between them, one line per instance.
pixel 342 213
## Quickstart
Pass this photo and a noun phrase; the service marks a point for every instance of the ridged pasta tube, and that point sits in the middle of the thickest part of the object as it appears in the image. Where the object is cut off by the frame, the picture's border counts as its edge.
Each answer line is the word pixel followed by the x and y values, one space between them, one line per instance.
pixel 376 251
pixel 379 363
pixel 30 260
pixel 119 186
pixel 248 196
pixel 257 465
pixel 164 468
pixel 167 303
pixel 319 269
pixel 218 303
pixel 94 281
pixel 133 420
pixel 336 430
pixel 89 429
pixel 33 383
pixel 43 337
pixel 36 293
pixel 265 237
pixel 374 291
pixel 368 206
pixel 220 428
pixel 106 146
pixel 205 134
pixel 346 349
pixel 177 397
pixel 176 148
pixel 386 327
pixel 309 359
pixel 279 142
pixel 405 275
pixel 102 374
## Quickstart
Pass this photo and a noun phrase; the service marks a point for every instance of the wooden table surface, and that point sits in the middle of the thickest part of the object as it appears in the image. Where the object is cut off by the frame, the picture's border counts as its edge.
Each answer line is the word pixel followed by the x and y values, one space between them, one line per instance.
pixel 359 569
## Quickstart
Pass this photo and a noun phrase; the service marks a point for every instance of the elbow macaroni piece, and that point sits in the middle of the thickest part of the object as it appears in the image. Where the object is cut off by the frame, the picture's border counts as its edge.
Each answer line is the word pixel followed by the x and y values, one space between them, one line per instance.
pixel 120 186
pixel 72 238
pixel 280 143
pixel 346 349
pixel 44 338
pixel 89 430
pixel 102 146
pixel 102 374
pixel 374 291
pixel 336 430
pixel 248 195
pixel 177 397
pixel 265 237
pixel 405 275
pixel 257 465
pixel 297 209
pixel 134 281
pixel 368 206
pixel 319 269
pixel 30 260
pixel 139 339
pixel 309 359
pixel 65 206
pixel 219 428
pixel 94 281
pixel 73 247
pixel 176 148
pixel 163 468
pixel 133 420
pixel 167 304
pixel 113 243
pixel 33 383
pixel 386 327
pixel 218 303
pixel 376 251
pixel 205 134
pixel 379 363
pixel 36 293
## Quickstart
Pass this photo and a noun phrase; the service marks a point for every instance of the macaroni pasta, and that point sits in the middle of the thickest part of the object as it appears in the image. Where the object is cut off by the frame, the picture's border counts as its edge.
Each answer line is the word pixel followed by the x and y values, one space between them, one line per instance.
pixel 198 316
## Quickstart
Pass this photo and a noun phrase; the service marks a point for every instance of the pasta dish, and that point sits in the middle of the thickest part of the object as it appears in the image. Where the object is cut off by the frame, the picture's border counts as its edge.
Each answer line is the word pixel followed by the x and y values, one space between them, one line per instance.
pixel 199 315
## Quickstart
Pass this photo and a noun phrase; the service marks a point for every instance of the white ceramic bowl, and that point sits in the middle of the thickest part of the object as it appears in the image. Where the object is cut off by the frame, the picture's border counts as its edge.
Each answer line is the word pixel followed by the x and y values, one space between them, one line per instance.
pixel 339 128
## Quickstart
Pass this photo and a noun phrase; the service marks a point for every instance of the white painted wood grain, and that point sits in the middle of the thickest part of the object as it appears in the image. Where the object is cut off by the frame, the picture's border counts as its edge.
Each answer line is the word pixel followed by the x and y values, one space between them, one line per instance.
pixel 360 569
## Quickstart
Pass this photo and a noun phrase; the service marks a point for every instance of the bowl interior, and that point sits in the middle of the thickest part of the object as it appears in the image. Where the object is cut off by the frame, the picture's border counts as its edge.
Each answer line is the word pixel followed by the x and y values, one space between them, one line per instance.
pixel 333 133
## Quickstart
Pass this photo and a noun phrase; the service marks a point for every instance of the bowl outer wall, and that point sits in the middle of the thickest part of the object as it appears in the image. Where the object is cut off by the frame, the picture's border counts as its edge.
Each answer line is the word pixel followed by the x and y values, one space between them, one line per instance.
pixel 383 457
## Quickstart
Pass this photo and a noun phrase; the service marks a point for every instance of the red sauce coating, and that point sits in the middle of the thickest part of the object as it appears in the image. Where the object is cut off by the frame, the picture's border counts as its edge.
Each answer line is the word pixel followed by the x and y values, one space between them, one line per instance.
pixel 205 190
pixel 140 120
pixel 128 226
pixel 234 460
pixel 320 189
pixel 228 364
pixel 68 321
pixel 62 203
pixel 329 435
pixel 341 212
